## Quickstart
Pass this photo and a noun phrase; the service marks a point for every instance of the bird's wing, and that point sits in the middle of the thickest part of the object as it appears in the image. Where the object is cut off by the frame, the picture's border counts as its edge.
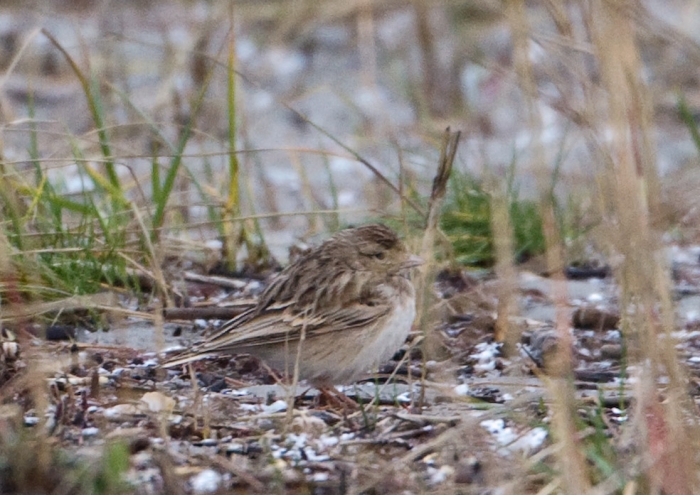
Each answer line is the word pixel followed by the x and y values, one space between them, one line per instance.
pixel 199 352
pixel 284 323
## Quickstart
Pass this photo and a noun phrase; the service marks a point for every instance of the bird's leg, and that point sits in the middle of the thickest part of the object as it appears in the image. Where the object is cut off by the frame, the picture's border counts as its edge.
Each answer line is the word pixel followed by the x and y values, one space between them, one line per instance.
pixel 335 398
pixel 272 373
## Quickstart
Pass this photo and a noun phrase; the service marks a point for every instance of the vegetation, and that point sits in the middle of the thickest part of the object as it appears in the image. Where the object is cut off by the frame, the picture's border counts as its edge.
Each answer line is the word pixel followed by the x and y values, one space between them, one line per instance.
pixel 466 220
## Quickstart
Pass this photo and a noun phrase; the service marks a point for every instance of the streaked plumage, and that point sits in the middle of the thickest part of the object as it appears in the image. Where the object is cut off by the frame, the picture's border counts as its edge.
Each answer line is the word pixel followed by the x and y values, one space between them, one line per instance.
pixel 348 305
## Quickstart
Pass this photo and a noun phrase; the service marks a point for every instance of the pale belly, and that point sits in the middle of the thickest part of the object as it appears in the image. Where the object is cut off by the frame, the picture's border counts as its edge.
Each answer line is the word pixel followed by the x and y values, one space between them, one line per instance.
pixel 339 358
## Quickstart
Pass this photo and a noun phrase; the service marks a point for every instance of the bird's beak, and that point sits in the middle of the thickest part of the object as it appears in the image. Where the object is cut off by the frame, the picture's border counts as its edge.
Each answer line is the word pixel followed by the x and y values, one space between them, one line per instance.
pixel 412 262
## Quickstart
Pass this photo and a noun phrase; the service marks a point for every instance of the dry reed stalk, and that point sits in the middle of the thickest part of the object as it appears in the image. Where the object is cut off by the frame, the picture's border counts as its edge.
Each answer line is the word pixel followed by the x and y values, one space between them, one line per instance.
pixel 441 96
pixel 257 254
pixel 366 44
pixel 426 277
pixel 505 268
pixel 159 327
pixel 28 460
pixel 307 191
pixel 668 441
pixel 233 233
pixel 430 72
pixel 5 266
pixel 572 463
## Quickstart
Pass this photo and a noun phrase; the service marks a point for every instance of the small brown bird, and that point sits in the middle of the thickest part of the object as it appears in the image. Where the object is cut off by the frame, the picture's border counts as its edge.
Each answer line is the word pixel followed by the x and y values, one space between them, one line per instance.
pixel 342 308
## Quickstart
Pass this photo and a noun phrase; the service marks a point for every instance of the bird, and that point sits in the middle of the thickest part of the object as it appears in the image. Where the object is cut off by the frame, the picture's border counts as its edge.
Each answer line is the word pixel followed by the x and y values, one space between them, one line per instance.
pixel 336 312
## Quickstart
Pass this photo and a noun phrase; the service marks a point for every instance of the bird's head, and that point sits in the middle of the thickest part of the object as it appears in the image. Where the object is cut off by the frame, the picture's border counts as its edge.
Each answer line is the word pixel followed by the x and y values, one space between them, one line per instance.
pixel 373 248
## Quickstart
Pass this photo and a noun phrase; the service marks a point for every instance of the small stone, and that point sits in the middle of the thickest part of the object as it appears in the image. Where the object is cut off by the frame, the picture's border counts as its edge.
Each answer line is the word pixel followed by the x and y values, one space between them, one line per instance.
pixel 595 318
pixel 266 424
pixel 30 420
pixel 217 386
pixel 10 350
pixel 611 351
pixel 157 402
pixel 306 423
pixel 543 346
pixel 121 411
pixel 469 471
pixel 60 332
pixel 90 432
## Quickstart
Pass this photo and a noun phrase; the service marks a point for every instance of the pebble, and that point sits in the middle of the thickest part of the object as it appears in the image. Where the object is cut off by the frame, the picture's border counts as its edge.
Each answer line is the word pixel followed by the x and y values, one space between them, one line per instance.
pixel 611 351
pixel 90 432
pixel 593 317
pixel 30 420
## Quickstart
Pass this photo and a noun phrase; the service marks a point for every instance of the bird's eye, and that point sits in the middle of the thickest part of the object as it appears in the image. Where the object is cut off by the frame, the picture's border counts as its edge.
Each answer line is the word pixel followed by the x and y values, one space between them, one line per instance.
pixel 379 255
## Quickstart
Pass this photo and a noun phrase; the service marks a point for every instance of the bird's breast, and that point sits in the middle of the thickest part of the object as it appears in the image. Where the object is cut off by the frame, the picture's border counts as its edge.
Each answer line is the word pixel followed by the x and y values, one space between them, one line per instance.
pixel 395 329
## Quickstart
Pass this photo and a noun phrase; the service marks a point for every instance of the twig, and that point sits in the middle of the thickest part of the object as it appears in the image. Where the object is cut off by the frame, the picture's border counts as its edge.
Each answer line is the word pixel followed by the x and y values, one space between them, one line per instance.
pixel 248 478
pixel 229 283
pixel 212 313
pixel 449 435
pixel 448 151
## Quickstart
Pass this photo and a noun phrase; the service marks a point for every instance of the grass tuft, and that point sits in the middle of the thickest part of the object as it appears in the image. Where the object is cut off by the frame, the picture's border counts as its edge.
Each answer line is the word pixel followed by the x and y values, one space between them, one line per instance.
pixel 466 220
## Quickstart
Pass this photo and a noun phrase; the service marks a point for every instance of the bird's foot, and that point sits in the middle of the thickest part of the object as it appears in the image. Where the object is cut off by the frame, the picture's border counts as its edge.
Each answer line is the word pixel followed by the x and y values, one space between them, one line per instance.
pixel 333 398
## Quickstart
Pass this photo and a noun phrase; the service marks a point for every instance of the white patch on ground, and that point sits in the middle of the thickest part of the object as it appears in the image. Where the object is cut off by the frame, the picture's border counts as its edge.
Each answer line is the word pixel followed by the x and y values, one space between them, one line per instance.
pixel 214 244
pixel 90 432
pixel 319 477
pixel 511 441
pixel 275 407
pixel 486 356
pixel 440 475
pixel 235 392
pixel 207 481
pixel 595 297
pixel 620 416
pixel 461 389
pixel 249 407
pixel 30 420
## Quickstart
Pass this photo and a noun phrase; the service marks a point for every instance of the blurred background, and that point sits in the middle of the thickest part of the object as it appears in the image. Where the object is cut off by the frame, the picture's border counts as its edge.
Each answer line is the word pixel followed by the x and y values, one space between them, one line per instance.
pixel 317 83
